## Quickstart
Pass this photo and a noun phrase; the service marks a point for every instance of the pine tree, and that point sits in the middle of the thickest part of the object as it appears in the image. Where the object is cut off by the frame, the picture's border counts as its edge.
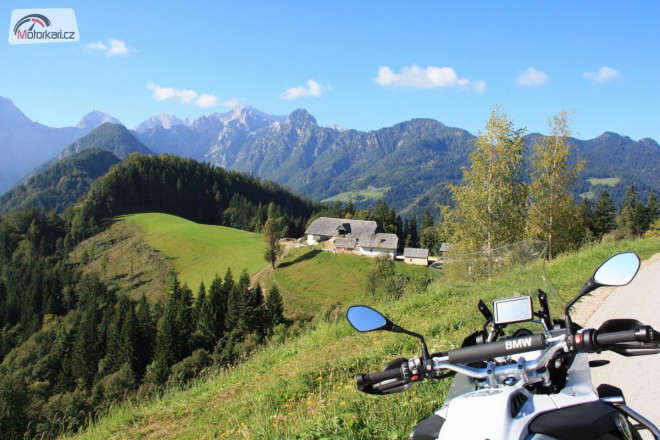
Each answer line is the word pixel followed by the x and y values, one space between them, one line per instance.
pixel 111 362
pixel 603 217
pixel 129 348
pixel 85 354
pixel 274 307
pixel 491 202
pixel 145 336
pixel 427 219
pixel 254 310
pixel 633 214
pixel 199 302
pixel 211 321
pixel 652 210
pixel 552 214
pixel 236 306
pixel 174 333
pixel 412 237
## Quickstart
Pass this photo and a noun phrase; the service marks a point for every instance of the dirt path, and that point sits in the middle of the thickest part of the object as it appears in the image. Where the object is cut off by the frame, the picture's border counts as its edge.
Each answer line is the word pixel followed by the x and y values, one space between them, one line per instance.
pixel 287 244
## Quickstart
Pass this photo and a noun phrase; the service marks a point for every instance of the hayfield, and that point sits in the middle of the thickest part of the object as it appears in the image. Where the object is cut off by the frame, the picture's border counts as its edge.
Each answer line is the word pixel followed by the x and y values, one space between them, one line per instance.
pixel 199 252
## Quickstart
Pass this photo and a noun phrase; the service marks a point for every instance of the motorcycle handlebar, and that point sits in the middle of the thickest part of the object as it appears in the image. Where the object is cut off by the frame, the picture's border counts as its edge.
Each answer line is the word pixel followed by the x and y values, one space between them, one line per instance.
pixel 367 380
pixel 591 340
pixel 483 352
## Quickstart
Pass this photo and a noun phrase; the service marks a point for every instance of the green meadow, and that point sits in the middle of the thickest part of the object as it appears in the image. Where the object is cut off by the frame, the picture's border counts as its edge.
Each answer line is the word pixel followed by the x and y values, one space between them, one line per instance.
pixel 608 181
pixel 302 387
pixel 310 280
pixel 360 195
pixel 199 252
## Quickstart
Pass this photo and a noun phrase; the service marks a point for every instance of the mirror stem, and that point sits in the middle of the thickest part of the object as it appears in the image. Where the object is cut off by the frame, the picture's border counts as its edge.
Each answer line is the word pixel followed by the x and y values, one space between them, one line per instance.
pixel 588 287
pixel 425 351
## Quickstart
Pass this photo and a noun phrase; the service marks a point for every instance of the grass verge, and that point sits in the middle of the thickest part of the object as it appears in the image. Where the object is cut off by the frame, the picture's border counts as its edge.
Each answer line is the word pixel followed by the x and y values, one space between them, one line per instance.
pixel 303 388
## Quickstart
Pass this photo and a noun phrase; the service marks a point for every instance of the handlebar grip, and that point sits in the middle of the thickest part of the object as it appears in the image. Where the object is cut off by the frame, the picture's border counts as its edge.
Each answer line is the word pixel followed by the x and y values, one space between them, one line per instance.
pixel 364 380
pixel 644 333
pixel 614 337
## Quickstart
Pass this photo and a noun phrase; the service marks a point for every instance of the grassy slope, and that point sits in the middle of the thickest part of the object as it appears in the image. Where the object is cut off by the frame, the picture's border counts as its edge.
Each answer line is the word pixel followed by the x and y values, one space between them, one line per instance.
pixel 199 252
pixel 304 389
pixel 125 262
pixel 608 181
pixel 311 279
pixel 360 195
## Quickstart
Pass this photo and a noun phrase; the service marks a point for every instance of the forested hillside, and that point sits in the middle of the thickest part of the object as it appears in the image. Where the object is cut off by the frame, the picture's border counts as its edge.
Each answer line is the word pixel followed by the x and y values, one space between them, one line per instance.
pixel 61 185
pixel 192 190
pixel 73 343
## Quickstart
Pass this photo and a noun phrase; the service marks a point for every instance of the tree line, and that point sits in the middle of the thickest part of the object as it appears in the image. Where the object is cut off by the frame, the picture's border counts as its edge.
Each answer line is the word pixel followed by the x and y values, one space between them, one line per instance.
pixel 504 198
pixel 186 188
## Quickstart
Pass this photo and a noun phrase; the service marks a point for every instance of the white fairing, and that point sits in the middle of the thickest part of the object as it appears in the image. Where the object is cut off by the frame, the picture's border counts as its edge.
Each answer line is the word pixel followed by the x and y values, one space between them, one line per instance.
pixel 485 413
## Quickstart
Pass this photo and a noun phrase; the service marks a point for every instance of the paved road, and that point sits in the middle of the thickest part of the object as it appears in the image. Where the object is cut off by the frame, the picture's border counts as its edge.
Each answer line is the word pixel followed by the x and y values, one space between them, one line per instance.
pixel 638 377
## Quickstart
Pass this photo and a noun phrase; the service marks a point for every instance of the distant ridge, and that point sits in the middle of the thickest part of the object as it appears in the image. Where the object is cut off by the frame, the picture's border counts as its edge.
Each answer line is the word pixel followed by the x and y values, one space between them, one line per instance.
pixel 61 185
pixel 407 165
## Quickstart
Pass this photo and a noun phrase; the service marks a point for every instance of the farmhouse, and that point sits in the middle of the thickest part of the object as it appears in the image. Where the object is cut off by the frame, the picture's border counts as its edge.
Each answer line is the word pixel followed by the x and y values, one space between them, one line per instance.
pixel 376 245
pixel 352 237
pixel 419 257
pixel 325 228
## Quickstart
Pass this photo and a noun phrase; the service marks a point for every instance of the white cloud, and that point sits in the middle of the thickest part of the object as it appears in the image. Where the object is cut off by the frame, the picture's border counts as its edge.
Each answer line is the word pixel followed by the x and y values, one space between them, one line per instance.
pixel 431 77
pixel 206 100
pixel 603 75
pixel 532 78
pixel 117 48
pixel 313 89
pixel 113 48
pixel 185 96
pixel 232 103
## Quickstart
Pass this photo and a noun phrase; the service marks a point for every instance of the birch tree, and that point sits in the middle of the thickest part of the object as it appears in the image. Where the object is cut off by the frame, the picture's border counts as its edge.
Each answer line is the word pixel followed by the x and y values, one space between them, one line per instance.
pixel 490 204
pixel 553 215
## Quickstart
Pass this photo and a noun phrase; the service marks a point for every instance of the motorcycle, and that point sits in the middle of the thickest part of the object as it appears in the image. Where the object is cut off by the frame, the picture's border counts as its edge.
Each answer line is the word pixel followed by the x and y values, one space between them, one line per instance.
pixel 532 386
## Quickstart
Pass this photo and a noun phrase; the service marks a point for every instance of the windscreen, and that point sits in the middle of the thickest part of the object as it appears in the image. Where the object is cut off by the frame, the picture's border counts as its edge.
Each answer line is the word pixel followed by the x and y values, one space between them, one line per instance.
pixel 508 271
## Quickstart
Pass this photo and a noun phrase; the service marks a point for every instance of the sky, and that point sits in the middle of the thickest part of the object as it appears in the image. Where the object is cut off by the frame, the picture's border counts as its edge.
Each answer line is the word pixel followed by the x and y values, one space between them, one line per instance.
pixel 358 64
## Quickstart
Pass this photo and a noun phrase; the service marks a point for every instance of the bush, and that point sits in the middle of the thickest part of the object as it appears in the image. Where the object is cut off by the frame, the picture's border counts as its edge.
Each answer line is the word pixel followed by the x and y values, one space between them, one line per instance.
pixel 114 387
pixel 654 230
pixel 189 368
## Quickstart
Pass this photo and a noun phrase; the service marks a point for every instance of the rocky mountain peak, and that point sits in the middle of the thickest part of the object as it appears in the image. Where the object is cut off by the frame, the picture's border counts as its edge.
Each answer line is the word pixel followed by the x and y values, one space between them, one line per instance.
pixel 301 117
pixel 96 118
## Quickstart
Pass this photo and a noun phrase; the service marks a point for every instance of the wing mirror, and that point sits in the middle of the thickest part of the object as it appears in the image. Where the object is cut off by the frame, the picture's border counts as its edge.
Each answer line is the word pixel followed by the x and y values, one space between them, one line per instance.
pixel 618 270
pixel 366 319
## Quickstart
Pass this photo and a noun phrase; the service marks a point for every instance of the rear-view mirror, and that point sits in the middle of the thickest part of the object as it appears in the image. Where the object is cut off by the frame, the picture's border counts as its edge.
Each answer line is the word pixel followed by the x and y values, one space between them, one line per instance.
pixel 366 319
pixel 618 270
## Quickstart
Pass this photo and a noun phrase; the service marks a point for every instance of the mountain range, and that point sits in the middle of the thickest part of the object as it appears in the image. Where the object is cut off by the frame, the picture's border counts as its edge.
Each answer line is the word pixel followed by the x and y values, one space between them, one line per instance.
pixel 408 165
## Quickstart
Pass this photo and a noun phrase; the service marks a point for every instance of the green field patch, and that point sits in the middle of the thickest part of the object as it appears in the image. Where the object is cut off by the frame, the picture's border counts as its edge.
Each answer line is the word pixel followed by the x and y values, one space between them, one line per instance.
pixel 311 280
pixel 608 181
pixel 199 252
pixel 587 195
pixel 360 195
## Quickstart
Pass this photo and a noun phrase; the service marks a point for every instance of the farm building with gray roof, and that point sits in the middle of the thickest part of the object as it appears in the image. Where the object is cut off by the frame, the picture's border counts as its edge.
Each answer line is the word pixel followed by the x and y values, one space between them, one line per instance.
pixel 357 236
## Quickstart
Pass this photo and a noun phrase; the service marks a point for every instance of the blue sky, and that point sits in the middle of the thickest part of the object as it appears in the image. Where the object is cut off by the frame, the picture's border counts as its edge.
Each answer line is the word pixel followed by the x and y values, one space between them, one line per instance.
pixel 359 64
